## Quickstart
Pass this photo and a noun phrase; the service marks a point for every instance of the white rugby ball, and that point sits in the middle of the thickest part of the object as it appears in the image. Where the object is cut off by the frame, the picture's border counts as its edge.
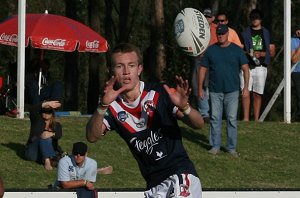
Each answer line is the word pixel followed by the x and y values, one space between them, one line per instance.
pixel 192 31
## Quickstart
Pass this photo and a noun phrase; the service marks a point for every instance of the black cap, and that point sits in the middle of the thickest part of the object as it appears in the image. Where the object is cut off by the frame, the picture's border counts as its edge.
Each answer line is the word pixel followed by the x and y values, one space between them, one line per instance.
pixel 79 147
pixel 208 12
pixel 222 29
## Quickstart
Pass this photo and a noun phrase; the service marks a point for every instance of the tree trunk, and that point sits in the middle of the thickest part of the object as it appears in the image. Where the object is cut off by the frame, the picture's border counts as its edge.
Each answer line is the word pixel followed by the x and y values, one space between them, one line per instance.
pixel 267 8
pixel 236 21
pixel 160 38
pixel 95 81
pixel 108 27
pixel 123 20
pixel 71 68
pixel 252 5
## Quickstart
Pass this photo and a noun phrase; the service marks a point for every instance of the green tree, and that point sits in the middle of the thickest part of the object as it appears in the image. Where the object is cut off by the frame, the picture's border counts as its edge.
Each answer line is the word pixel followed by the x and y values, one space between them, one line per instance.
pixel 71 75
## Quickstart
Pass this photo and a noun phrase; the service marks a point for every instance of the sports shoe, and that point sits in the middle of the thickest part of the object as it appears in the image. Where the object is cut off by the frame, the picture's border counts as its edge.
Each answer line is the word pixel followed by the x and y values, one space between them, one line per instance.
pixel 233 153
pixel 214 151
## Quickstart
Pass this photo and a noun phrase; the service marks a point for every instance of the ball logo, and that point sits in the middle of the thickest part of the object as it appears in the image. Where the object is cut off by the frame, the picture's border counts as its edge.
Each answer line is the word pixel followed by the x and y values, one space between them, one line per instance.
pixel 179 27
pixel 200 24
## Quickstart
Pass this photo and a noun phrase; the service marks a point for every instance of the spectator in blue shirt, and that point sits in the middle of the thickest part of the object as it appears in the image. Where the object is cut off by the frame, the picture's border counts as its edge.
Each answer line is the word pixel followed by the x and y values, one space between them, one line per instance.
pixel 295 53
pixel 77 171
pixel 224 61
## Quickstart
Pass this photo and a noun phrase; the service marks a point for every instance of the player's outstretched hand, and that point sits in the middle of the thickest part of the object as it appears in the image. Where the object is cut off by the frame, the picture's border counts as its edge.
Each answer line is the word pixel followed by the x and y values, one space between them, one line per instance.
pixel 110 94
pixel 179 95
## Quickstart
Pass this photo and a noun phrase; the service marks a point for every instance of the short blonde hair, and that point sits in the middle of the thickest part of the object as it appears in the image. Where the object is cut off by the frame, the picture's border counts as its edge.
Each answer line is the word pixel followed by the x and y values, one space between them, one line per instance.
pixel 125 48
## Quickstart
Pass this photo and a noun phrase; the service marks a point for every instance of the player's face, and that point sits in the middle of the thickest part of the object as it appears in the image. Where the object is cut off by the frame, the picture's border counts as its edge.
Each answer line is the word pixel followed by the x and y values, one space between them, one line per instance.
pixel 127 69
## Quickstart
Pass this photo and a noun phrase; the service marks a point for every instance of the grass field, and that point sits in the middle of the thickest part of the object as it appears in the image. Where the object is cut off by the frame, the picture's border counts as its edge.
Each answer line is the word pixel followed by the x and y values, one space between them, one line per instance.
pixel 269 156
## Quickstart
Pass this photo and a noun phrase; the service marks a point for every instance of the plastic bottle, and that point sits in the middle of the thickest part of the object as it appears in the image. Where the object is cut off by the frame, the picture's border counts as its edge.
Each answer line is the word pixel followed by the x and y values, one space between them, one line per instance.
pixel 256 61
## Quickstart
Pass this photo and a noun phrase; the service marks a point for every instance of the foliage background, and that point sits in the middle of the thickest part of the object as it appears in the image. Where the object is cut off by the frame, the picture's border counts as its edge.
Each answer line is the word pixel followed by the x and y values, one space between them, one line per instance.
pixel 140 22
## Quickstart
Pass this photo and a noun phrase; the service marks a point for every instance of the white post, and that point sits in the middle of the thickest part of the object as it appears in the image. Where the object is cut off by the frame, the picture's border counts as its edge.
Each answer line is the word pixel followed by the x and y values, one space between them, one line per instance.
pixel 21 58
pixel 40 81
pixel 287 61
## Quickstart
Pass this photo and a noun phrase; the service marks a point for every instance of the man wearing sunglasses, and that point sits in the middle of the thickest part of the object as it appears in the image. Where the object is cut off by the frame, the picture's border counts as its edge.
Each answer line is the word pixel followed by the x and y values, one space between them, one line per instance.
pixel 210 17
pixel 224 61
pixel 232 35
pixel 77 170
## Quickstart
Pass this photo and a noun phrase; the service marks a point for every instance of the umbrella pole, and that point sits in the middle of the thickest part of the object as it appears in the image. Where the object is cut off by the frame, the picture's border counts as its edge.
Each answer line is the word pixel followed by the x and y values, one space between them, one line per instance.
pixel 21 59
pixel 40 73
pixel 40 81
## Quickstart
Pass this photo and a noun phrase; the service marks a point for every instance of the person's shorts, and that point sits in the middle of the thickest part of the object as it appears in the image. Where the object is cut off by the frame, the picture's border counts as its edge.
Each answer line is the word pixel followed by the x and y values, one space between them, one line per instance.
pixel 257 79
pixel 176 186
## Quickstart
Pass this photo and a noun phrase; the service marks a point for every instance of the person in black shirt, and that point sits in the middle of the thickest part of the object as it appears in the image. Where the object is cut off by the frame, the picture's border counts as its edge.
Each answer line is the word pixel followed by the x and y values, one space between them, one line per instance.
pixel 256 40
pixel 42 144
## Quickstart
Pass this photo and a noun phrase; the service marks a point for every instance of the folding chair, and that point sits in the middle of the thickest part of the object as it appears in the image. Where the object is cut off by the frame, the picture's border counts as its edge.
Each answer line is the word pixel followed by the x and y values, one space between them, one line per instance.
pixel 8 97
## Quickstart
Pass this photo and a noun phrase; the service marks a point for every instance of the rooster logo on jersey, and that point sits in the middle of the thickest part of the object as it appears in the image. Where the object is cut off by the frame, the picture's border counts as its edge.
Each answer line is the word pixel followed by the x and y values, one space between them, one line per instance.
pixel 149 106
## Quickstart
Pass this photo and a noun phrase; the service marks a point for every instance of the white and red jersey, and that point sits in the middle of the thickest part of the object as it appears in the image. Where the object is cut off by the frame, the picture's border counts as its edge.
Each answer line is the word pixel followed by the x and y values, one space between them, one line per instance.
pixel 149 127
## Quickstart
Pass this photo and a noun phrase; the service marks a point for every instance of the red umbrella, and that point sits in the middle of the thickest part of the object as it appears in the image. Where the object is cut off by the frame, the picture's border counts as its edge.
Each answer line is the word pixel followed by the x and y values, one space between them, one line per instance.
pixel 53 32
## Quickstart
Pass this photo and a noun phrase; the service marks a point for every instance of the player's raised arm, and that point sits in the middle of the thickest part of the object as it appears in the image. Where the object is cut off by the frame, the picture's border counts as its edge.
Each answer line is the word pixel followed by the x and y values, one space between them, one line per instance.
pixel 95 127
pixel 179 97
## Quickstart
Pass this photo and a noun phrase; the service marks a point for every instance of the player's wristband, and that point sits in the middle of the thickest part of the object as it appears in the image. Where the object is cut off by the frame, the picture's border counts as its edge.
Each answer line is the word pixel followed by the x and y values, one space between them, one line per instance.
pixel 102 108
pixel 101 104
pixel 101 111
pixel 187 109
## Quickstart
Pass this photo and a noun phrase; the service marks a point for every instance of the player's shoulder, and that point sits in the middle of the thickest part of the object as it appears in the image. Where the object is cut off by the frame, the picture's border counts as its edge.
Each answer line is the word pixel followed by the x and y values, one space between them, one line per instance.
pixel 156 86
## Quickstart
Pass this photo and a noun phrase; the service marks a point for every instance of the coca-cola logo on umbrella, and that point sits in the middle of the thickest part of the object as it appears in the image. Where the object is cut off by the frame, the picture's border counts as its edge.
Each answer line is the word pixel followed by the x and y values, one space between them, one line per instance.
pixel 13 38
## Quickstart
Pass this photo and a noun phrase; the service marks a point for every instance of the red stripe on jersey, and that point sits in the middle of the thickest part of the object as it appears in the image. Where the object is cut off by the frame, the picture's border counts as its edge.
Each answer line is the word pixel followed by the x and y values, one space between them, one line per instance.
pixel 151 114
pixel 185 188
pixel 125 124
pixel 187 181
pixel 143 112
pixel 136 112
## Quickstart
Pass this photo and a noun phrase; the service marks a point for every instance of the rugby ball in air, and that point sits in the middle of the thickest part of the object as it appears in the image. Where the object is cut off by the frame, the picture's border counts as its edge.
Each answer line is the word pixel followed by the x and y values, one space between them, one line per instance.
pixel 192 31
